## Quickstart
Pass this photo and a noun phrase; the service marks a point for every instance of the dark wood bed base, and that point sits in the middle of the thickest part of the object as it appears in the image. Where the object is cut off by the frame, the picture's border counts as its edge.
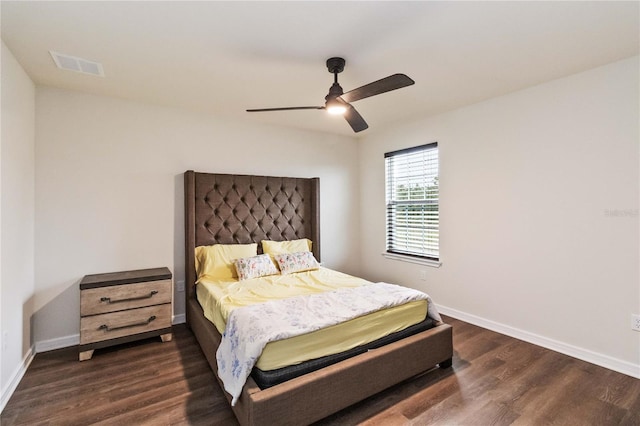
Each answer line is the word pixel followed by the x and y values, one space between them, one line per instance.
pixel 313 396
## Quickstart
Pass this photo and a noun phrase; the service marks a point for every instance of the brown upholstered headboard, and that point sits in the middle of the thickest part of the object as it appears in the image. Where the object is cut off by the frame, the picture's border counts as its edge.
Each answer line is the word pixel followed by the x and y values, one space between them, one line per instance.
pixel 241 209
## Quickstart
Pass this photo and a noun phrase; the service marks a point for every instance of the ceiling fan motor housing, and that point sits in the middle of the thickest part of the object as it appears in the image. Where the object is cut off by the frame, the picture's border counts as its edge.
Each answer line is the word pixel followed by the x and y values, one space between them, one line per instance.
pixel 334 91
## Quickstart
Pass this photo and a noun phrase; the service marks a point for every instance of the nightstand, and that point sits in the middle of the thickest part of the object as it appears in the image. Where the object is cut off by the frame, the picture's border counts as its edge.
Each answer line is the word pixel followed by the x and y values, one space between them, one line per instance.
pixel 121 307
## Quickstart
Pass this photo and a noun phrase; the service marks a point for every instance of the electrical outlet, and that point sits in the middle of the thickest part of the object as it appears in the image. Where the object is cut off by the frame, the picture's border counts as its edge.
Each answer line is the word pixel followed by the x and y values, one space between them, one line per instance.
pixel 423 275
pixel 635 322
pixel 180 285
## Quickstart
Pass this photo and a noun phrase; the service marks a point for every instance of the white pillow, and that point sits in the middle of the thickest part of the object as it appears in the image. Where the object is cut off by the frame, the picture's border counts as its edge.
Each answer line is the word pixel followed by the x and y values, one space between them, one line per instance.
pixel 296 262
pixel 255 267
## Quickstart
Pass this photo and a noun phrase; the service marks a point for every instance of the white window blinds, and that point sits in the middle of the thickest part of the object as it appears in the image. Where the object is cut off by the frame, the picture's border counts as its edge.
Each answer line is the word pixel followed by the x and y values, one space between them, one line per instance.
pixel 412 201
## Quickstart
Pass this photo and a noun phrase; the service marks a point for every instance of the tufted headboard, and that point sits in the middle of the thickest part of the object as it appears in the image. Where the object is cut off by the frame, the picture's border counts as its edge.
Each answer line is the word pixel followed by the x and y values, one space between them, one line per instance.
pixel 242 209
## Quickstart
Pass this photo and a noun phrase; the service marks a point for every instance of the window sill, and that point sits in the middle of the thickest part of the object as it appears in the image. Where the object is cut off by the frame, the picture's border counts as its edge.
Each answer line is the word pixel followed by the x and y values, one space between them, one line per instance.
pixel 411 259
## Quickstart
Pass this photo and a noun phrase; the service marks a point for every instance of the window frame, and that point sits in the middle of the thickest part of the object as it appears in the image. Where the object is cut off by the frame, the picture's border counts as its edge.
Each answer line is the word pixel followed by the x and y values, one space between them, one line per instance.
pixel 423 257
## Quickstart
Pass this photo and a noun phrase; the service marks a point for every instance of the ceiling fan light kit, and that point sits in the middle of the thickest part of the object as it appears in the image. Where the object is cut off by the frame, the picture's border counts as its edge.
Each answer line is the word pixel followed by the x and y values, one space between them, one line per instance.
pixel 335 107
pixel 339 103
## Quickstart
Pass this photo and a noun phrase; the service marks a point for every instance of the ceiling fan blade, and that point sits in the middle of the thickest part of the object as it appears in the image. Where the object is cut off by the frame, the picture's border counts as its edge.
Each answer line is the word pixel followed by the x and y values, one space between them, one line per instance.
pixel 355 120
pixel 387 84
pixel 284 108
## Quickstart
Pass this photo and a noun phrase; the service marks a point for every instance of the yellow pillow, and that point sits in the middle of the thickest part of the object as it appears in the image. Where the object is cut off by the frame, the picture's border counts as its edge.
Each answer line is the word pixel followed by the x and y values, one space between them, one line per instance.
pixel 281 247
pixel 216 261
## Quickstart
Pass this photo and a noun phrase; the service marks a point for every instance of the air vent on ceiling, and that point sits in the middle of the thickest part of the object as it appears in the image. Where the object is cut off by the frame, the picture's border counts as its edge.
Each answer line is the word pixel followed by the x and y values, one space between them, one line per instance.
pixel 73 63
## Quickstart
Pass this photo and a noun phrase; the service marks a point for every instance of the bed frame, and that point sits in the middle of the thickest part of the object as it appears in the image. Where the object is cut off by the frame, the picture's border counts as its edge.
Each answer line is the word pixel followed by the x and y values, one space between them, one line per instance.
pixel 241 209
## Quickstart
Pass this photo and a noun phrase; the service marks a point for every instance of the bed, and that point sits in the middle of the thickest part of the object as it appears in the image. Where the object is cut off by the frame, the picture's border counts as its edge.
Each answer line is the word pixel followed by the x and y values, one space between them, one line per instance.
pixel 242 209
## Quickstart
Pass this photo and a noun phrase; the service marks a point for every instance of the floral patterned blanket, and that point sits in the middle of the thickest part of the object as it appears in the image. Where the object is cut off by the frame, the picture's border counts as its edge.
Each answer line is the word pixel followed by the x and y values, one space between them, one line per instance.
pixel 250 328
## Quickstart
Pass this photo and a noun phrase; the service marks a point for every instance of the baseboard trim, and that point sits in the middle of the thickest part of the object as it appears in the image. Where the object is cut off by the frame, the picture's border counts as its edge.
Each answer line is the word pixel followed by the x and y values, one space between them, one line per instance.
pixel 587 355
pixel 57 343
pixel 16 377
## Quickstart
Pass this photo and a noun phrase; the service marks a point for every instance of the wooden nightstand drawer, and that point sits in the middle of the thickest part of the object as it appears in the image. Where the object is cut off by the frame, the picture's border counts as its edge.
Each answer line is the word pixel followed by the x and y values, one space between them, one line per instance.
pixel 101 327
pixel 122 297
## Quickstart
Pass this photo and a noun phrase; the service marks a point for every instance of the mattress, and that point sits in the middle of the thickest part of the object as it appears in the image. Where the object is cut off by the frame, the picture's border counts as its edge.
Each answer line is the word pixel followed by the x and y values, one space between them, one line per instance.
pixel 219 298
pixel 266 379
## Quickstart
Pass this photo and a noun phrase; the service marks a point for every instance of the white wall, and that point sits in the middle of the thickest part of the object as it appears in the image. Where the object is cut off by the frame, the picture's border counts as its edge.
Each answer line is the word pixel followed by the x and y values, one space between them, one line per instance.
pixel 539 213
pixel 109 190
pixel 17 221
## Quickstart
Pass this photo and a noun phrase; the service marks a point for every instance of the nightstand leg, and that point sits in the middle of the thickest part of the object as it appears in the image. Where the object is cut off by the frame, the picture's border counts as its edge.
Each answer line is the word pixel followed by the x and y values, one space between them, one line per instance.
pixel 166 337
pixel 86 355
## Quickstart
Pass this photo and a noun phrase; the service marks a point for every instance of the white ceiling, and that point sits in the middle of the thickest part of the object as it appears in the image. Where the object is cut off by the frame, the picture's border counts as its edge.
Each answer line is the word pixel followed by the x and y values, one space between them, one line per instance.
pixel 223 57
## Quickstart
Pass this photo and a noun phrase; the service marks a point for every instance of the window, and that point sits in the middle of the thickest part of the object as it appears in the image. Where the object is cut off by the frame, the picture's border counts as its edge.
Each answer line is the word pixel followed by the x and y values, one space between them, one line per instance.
pixel 412 202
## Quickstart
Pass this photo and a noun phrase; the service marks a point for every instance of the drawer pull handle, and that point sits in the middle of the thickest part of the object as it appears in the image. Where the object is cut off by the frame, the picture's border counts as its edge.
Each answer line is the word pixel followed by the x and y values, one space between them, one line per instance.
pixel 108 299
pixel 136 324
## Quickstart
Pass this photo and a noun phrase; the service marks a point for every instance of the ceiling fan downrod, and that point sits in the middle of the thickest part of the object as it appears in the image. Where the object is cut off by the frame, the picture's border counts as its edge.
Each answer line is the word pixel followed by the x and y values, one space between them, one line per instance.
pixel 335 66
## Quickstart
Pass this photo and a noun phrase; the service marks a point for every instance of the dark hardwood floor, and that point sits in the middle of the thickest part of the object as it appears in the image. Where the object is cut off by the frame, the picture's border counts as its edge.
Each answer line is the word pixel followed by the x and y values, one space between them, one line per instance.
pixel 495 380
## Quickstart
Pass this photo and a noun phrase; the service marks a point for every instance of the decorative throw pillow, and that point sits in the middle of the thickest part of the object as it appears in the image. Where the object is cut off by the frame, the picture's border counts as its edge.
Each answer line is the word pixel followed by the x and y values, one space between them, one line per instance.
pixel 296 262
pixel 216 261
pixel 279 247
pixel 255 267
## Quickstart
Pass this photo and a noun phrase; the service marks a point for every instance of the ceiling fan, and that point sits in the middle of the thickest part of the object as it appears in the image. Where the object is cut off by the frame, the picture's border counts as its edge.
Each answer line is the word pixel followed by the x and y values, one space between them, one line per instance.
pixel 339 103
